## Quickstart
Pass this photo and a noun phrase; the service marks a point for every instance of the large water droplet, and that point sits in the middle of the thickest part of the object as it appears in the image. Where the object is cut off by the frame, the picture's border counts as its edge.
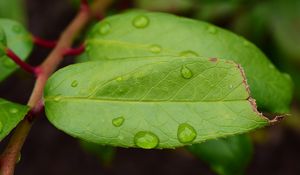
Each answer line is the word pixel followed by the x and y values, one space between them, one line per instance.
pixel 212 29
pixel 186 133
pixel 117 122
pixel 104 28
pixel 74 83
pixel 146 140
pixel 186 72
pixel 13 110
pixel 155 48
pixel 188 53
pixel 17 28
pixel 140 21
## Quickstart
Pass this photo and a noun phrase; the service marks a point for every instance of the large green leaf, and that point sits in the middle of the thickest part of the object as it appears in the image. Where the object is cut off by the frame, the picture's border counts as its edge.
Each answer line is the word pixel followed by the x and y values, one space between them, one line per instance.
pixel 10 115
pixel 18 40
pixel 228 156
pixel 158 102
pixel 140 34
pixel 13 9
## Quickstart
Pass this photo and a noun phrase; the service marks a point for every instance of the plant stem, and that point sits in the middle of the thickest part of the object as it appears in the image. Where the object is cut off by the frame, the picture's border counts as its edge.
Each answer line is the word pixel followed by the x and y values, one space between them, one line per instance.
pixel 20 62
pixel 44 43
pixel 74 51
pixel 9 157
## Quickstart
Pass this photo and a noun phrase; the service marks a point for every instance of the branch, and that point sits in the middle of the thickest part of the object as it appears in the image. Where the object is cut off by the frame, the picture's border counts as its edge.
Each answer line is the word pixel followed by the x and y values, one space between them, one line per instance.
pixel 9 157
pixel 44 43
pixel 20 62
pixel 74 51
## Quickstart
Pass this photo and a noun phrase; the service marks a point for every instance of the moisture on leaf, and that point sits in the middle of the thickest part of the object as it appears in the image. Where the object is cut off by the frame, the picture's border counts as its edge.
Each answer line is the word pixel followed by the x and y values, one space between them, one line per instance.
pixel 159 102
pixel 135 33
pixel 10 115
pixel 18 40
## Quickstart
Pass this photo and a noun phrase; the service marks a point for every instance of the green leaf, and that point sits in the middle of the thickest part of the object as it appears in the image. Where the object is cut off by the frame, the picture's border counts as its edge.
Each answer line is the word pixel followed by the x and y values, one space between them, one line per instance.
pixel 105 153
pixel 13 9
pixel 10 115
pixel 18 40
pixel 228 156
pixel 142 34
pixel 158 102
pixel 166 5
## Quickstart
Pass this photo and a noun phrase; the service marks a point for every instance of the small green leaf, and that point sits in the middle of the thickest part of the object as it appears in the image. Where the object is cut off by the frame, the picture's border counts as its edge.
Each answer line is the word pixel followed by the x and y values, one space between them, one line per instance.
pixel 10 115
pixel 142 34
pixel 161 105
pixel 228 156
pixel 18 40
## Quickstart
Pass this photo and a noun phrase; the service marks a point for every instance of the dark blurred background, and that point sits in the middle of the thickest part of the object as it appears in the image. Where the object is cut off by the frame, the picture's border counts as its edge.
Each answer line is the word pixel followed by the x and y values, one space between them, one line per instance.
pixel 274 26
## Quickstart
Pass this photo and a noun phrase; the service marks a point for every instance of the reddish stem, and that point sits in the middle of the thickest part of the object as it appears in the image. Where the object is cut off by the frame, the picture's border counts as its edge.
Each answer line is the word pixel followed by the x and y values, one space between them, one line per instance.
pixel 44 43
pixel 74 51
pixel 85 5
pixel 20 62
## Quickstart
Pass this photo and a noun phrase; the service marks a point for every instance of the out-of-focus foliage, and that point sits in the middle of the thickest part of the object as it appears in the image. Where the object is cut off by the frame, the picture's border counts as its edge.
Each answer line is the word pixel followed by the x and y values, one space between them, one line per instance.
pixel 13 9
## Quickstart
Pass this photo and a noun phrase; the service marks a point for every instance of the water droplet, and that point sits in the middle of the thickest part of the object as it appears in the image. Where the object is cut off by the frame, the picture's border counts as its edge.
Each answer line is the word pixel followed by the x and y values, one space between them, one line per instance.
pixel 155 48
pixel 16 28
pixel 212 29
pixel 57 98
pixel 141 21
pixel 1 126
pixel 104 28
pixel 117 122
pixel 146 140
pixel 74 83
pixel 231 86
pixel 8 63
pixel 271 66
pixel 186 133
pixel 188 53
pixel 13 110
pixel 246 43
pixel 186 72
pixel 119 79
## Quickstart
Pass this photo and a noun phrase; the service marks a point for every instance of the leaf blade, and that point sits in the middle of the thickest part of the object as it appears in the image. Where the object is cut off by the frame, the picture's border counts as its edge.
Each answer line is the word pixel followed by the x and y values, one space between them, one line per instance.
pixel 136 90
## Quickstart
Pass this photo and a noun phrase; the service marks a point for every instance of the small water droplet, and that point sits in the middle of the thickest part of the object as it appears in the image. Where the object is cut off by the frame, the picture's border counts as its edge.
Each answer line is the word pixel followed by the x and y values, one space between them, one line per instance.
pixel 186 72
pixel 104 28
pixel 119 79
pixel 8 63
pixel 231 86
pixel 271 66
pixel 117 122
pixel 246 43
pixel 212 29
pixel 188 53
pixel 16 28
pixel 146 140
pixel 155 48
pixel 57 98
pixel 74 83
pixel 141 21
pixel 186 133
pixel 13 110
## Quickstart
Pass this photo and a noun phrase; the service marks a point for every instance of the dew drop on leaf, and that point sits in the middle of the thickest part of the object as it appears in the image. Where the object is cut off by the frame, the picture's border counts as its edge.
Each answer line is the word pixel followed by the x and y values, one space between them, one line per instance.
pixel 212 30
pixel 16 28
pixel 246 43
pixel 140 21
pixel 155 48
pixel 117 122
pixel 119 79
pixel 186 72
pixel 186 133
pixel 74 83
pixel 57 98
pixel 188 53
pixel 104 28
pixel 13 110
pixel 146 140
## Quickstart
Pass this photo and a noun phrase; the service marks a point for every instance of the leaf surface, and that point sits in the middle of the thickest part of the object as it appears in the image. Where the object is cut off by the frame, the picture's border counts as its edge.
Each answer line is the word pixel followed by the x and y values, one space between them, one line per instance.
pixel 141 34
pixel 158 102
pixel 18 40
pixel 227 156
pixel 10 115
